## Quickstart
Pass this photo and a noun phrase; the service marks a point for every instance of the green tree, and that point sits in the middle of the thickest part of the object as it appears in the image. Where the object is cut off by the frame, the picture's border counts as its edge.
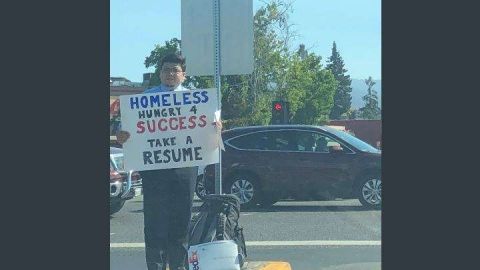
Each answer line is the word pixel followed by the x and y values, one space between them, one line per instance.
pixel 310 90
pixel 342 99
pixel 302 52
pixel 272 35
pixel 352 114
pixel 370 110
pixel 296 77
pixel 246 99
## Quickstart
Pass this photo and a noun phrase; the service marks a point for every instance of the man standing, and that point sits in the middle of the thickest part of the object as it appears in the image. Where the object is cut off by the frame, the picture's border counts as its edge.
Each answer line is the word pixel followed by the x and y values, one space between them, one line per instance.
pixel 167 193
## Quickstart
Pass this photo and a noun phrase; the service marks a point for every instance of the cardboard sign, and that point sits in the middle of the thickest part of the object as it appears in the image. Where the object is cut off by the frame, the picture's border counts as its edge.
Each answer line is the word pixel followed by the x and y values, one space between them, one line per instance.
pixel 170 129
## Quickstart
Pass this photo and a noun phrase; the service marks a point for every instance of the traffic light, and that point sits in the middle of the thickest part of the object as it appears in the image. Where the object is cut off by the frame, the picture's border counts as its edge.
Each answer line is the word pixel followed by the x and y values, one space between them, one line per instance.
pixel 279 112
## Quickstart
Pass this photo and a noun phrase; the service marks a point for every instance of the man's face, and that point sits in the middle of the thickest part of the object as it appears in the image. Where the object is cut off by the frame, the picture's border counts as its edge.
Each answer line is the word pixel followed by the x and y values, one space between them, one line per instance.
pixel 171 74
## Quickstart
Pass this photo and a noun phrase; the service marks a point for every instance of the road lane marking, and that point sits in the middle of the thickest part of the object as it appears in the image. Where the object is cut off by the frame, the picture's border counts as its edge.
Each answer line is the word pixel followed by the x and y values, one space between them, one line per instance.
pixel 315 243
pixel 279 243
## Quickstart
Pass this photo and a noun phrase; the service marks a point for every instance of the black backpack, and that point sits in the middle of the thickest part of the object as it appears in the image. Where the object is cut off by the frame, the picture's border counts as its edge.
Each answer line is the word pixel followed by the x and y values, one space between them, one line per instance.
pixel 218 220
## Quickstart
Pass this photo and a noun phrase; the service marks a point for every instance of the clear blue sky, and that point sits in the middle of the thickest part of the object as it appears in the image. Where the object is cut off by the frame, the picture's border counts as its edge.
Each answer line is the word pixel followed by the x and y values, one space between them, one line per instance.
pixel 355 25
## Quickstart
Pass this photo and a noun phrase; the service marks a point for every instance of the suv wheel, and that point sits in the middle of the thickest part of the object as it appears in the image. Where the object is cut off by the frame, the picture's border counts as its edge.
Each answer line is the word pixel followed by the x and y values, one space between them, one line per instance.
pixel 200 188
pixel 369 191
pixel 246 188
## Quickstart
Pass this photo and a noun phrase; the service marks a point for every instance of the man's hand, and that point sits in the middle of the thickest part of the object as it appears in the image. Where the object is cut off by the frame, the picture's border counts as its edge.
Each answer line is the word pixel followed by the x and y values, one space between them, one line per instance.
pixel 122 136
pixel 218 125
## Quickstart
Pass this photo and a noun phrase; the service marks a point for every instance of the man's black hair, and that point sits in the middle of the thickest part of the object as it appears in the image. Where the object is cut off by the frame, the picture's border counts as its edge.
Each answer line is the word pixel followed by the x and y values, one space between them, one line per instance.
pixel 174 58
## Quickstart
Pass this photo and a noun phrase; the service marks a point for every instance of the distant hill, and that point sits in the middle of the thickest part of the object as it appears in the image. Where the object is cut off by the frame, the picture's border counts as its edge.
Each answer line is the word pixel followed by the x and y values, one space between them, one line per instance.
pixel 359 89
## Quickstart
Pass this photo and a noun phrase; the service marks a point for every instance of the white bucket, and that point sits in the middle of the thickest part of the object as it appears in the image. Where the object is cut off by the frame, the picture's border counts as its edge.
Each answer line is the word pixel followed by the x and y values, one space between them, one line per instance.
pixel 217 255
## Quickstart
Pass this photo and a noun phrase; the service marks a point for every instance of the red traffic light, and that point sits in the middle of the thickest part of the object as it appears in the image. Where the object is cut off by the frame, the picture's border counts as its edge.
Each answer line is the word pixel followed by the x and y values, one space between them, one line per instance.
pixel 278 106
pixel 280 112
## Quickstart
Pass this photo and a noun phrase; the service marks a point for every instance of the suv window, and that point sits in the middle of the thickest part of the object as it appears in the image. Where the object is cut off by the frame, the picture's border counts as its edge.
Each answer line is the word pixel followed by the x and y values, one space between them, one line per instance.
pixel 282 141
pixel 316 142
pixel 287 140
pixel 305 141
pixel 249 141
pixel 266 140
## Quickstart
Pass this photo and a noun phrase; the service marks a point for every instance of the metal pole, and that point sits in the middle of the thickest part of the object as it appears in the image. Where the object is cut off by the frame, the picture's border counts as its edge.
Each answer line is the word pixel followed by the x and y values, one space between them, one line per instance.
pixel 216 34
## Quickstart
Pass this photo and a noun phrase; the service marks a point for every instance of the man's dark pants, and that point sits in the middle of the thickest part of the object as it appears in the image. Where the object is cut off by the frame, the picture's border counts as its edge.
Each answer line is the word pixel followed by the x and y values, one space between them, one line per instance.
pixel 167 205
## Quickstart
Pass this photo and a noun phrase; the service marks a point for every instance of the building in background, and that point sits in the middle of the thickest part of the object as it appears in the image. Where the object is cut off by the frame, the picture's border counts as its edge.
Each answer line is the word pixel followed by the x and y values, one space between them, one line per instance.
pixel 122 86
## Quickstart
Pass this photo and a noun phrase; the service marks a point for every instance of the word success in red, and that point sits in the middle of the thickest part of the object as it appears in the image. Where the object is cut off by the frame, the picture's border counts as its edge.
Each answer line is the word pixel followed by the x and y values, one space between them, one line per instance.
pixel 172 123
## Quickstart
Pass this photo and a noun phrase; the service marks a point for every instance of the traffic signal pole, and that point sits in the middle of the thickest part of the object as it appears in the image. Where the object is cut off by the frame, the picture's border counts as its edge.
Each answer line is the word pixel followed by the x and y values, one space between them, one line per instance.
pixel 217 79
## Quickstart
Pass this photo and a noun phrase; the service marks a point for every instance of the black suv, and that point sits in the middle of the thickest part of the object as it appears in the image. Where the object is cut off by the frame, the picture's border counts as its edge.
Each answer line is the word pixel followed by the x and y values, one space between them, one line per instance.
pixel 263 164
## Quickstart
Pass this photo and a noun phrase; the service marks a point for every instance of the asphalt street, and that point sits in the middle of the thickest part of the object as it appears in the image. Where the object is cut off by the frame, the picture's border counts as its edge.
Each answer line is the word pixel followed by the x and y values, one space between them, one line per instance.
pixel 333 235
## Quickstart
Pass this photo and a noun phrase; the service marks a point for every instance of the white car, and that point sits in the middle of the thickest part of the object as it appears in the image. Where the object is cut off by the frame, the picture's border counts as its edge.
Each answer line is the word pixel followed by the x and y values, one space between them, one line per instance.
pixel 123 185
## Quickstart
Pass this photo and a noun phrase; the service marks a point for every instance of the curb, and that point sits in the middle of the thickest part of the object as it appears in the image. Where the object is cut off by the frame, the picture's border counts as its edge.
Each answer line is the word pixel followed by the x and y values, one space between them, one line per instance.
pixel 267 266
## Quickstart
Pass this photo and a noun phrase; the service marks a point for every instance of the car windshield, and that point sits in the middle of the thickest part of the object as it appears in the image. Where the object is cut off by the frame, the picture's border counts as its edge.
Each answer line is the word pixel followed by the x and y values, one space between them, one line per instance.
pixel 356 142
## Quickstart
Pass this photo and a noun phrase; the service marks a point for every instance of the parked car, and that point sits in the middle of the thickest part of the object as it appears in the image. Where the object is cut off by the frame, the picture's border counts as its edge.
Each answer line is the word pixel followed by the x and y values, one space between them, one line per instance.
pixel 123 185
pixel 263 164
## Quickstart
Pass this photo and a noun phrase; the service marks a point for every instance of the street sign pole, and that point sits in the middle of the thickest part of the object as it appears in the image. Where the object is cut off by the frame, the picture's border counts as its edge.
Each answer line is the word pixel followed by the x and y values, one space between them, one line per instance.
pixel 216 37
